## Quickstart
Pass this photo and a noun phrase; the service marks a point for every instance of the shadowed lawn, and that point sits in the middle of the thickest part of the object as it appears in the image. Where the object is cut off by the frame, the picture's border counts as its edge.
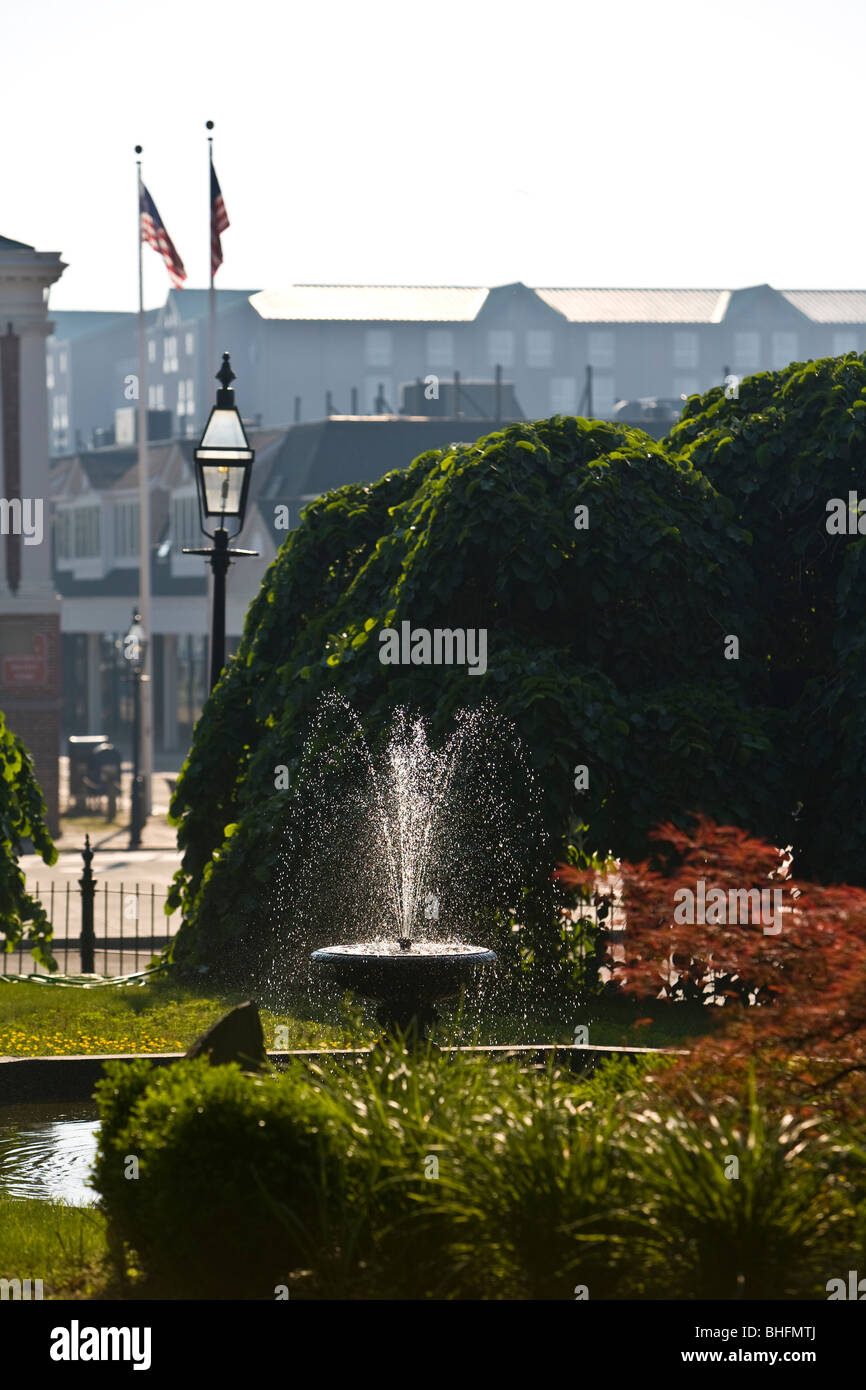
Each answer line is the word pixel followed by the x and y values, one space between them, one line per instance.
pixel 63 1246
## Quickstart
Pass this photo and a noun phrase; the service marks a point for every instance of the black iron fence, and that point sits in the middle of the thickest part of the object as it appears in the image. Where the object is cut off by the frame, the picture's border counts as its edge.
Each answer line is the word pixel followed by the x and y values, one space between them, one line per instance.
pixel 106 928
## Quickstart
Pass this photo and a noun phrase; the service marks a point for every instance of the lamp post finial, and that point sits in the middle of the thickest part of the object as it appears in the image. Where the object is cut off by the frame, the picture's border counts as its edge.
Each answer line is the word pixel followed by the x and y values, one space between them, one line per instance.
pixel 225 376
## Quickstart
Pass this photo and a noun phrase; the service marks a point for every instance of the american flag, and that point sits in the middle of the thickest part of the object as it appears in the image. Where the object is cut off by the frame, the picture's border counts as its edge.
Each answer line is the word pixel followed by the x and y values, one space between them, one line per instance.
pixel 219 220
pixel 154 233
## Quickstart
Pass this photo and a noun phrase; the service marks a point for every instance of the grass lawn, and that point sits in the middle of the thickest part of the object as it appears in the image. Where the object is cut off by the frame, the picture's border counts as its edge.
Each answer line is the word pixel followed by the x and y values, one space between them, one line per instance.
pixel 157 1016
pixel 63 1246
pixel 163 1015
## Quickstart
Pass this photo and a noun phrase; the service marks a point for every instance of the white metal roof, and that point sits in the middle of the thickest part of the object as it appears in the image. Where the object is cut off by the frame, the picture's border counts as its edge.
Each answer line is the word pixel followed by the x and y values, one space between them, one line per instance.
pixel 462 304
pixel 634 306
pixel 393 303
pixel 830 306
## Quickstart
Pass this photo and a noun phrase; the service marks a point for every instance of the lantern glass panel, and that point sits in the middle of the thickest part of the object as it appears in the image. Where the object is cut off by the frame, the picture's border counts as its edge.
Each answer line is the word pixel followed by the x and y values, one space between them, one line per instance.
pixel 225 431
pixel 223 487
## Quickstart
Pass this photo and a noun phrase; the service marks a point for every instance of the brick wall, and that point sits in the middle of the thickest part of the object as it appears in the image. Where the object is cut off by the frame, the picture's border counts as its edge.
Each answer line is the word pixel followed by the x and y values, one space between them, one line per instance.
pixel 30 695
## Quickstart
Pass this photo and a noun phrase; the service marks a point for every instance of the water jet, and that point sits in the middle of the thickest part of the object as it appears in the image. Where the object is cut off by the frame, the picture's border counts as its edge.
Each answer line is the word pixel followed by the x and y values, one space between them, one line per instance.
pixel 413 811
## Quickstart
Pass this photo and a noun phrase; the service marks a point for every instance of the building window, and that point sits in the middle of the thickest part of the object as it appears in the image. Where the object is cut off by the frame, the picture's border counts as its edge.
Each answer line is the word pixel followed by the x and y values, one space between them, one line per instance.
pixel 784 349
pixel 62 535
pixel 685 349
pixel 845 340
pixel 500 347
pixel 603 394
pixel 377 347
pixel 747 351
pixel 125 529
pixel 151 351
pixel 184 520
pixel 440 348
pixel 189 343
pixel 602 349
pixel 78 533
pixel 62 363
pixel 49 372
pixel 563 395
pixel 60 412
pixel 539 348
pixel 86 531
pixel 169 354
pixel 156 397
pixel 185 397
pixel 686 386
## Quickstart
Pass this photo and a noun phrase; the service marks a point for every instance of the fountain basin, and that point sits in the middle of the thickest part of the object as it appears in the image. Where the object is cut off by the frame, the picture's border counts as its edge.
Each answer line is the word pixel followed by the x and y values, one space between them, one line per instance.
pixel 407 980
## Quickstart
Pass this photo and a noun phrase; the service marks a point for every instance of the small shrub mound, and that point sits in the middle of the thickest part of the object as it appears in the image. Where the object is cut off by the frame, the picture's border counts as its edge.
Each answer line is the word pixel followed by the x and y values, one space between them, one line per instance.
pixel 415 1177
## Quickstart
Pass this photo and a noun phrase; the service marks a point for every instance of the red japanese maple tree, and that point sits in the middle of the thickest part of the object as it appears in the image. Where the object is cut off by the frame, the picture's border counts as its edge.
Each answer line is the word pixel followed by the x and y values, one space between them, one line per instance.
pixel 792 981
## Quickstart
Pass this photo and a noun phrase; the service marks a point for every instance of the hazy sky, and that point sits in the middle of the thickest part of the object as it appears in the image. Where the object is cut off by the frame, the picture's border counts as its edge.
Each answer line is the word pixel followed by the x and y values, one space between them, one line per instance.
pixel 468 142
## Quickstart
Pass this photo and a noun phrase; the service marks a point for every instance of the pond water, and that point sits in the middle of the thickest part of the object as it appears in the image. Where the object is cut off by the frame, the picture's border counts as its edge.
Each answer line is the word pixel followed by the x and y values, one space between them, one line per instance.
pixel 46 1151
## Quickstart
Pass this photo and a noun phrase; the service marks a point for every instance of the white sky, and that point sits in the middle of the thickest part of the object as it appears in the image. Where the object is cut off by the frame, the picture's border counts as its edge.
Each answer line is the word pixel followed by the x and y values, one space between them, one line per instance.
pixel 678 142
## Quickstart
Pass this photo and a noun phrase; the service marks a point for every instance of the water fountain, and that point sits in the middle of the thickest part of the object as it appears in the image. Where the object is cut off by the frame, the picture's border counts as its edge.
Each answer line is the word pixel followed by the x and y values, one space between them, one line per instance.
pixel 412 813
pixel 408 978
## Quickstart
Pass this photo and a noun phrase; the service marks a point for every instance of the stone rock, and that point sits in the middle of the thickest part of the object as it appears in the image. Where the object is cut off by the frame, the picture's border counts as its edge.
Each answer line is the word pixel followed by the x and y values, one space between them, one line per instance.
pixel 237 1037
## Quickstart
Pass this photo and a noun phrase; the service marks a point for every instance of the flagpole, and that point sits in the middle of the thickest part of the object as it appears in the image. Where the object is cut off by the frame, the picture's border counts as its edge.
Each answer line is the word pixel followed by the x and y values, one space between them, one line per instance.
pixel 211 347
pixel 146 748
pixel 211 365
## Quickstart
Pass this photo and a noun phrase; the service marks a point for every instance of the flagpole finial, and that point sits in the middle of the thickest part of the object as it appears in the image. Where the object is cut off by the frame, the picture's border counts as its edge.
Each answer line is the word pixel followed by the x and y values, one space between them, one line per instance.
pixel 138 149
pixel 208 125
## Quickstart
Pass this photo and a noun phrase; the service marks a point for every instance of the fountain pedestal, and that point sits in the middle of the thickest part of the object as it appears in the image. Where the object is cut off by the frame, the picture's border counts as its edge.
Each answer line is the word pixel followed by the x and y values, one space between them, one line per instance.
pixel 407 978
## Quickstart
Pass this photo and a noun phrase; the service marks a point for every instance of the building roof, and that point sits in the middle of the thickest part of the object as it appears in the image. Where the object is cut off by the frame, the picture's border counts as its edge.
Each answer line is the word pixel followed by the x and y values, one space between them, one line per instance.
pixel 194 304
pixel 635 306
pixel 7 244
pixel 170 461
pixel 317 457
pixel 830 306
pixel 105 467
pixel 391 303
pixel 72 324
pixel 463 304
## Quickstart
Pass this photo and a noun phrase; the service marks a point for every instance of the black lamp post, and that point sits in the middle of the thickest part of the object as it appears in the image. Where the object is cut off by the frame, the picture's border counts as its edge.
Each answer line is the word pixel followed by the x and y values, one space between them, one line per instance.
pixel 134 651
pixel 223 464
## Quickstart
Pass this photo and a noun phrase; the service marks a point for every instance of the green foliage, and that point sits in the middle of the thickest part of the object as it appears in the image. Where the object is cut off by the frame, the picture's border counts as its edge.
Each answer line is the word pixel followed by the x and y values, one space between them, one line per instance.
pixel 22 819
pixel 794 440
pixel 604 648
pixel 62 1245
pixel 321 1179
pixel 216 1153
pixel 734 1203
